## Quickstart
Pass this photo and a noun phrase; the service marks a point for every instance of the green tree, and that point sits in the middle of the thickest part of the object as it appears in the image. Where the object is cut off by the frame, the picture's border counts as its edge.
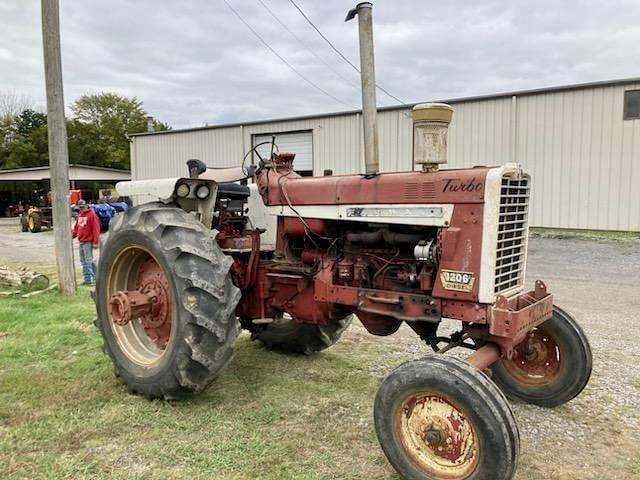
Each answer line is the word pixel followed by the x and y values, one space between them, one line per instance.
pixel 28 121
pixel 98 133
pixel 24 151
pixel 23 140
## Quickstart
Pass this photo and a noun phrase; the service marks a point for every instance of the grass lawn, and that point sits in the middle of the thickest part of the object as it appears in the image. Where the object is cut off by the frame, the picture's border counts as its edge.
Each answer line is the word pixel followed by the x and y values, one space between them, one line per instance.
pixel 63 414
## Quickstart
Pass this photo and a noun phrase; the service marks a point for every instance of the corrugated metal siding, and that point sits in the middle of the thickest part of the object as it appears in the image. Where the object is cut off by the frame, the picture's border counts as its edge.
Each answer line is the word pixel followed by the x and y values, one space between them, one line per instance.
pixel 158 156
pixel 300 143
pixel 480 133
pixel 584 158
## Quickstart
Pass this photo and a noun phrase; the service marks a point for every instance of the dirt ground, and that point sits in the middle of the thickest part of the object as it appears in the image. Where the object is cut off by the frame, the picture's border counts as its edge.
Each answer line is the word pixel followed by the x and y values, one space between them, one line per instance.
pixel 595 436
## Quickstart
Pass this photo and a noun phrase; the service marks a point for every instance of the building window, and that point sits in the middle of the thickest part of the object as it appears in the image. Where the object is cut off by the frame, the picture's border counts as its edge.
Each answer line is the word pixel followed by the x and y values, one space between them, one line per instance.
pixel 632 105
pixel 300 143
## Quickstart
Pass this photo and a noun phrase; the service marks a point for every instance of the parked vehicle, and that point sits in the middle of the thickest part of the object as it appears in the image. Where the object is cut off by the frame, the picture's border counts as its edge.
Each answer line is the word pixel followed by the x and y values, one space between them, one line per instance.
pixel 38 214
pixel 292 259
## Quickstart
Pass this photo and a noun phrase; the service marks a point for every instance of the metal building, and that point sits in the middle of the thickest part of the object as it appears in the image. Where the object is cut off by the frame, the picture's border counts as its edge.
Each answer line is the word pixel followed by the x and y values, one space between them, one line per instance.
pixel 581 143
pixel 17 185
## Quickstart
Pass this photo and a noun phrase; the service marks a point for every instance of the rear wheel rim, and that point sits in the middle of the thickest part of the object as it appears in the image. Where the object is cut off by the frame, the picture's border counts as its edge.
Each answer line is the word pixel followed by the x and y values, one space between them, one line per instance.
pixel 536 361
pixel 437 436
pixel 144 339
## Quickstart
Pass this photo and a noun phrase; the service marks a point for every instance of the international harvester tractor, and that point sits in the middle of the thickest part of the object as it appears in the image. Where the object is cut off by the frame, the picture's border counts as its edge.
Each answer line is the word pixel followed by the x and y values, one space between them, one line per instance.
pixel 293 260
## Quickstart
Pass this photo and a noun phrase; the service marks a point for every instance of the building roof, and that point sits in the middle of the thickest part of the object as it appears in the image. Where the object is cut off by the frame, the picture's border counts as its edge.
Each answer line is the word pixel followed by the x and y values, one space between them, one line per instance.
pixel 76 172
pixel 517 93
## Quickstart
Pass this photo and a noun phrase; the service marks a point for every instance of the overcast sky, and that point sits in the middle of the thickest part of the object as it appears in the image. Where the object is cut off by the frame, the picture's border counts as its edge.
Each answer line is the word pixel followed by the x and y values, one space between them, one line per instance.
pixel 193 62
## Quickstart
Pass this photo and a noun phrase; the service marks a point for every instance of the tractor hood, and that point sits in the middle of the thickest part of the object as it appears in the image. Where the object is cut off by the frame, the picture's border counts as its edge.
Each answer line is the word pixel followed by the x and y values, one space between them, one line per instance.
pixel 166 189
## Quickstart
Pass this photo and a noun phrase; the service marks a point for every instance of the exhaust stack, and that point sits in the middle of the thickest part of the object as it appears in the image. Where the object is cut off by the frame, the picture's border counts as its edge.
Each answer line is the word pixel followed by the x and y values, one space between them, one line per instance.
pixel 368 78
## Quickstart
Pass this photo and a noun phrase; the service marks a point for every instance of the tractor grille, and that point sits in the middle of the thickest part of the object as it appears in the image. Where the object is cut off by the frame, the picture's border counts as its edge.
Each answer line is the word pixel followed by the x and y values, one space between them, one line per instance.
pixel 512 233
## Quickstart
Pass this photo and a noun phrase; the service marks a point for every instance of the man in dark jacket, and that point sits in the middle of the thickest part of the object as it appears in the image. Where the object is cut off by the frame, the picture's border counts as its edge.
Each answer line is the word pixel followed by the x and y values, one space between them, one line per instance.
pixel 87 231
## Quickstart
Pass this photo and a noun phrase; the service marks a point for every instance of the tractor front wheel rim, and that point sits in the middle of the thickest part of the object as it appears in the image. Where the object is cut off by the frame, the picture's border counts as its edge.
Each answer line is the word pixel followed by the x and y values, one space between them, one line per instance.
pixel 437 436
pixel 536 360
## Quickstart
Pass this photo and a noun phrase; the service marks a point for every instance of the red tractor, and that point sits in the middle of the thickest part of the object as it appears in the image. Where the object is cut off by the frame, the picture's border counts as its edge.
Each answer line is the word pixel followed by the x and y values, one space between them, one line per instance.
pixel 292 259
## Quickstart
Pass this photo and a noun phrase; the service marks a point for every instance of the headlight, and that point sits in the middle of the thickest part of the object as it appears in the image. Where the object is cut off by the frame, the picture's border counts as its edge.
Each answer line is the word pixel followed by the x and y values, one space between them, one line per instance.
pixel 183 190
pixel 202 191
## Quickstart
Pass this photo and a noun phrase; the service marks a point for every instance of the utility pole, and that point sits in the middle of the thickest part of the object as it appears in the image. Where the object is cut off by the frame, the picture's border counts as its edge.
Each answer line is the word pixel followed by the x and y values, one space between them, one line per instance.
pixel 58 150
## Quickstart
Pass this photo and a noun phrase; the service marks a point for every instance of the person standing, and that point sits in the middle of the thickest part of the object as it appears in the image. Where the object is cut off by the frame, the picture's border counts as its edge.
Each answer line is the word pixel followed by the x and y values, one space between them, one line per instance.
pixel 87 231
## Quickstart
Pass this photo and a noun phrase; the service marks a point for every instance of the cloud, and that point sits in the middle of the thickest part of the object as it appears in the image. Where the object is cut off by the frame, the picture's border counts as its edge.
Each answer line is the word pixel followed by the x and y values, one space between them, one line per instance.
pixel 194 62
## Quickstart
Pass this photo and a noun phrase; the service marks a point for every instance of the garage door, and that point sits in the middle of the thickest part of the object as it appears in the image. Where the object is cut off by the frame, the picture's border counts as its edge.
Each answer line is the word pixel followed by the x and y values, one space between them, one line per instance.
pixel 300 143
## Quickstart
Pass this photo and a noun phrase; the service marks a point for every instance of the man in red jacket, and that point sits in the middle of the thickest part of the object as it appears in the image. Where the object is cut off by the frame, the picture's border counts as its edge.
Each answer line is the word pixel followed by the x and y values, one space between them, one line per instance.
pixel 87 231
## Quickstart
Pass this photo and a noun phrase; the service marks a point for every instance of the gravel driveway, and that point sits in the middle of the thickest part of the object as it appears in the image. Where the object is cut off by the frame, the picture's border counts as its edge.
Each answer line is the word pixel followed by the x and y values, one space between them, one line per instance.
pixel 16 246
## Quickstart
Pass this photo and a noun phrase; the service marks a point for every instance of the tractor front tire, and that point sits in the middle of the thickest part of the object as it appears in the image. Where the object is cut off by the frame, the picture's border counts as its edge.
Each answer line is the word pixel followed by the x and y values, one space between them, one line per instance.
pixel 439 417
pixel 306 338
pixel 553 369
pixel 34 223
pixel 24 222
pixel 184 348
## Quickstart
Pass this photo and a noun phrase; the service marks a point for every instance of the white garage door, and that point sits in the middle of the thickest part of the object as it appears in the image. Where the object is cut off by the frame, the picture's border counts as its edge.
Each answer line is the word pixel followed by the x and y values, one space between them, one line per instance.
pixel 300 143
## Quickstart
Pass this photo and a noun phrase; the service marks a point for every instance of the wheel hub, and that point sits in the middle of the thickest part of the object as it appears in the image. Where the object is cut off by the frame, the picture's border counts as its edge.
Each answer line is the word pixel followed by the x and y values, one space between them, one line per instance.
pixel 120 309
pixel 534 350
pixel 125 306
pixel 536 360
pixel 156 315
pixel 434 436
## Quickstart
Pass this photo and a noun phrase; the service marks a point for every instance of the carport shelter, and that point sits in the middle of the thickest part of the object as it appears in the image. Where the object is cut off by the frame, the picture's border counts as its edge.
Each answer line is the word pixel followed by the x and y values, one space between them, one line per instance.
pixel 17 185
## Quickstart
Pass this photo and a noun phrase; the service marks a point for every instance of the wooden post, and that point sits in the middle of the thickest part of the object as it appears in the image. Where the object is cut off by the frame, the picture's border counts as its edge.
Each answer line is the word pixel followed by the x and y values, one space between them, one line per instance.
pixel 58 150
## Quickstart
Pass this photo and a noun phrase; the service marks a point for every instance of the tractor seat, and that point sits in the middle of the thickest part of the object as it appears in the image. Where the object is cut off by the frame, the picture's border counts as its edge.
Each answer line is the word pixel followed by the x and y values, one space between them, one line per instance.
pixel 224 175
pixel 233 190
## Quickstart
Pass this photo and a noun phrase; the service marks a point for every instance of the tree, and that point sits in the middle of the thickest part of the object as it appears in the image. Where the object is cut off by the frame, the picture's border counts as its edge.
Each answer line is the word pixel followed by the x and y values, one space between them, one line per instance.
pixel 97 135
pixel 28 121
pixel 23 140
pixel 100 127
pixel 26 150
pixel 12 105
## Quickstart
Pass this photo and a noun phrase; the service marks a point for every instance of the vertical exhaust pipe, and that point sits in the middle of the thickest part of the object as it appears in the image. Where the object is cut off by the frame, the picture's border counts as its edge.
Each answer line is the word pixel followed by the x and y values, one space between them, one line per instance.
pixel 368 78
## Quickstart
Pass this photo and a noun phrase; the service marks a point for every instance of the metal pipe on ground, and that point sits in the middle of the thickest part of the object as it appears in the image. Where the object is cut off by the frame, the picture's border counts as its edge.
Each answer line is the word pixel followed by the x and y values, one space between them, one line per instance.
pixel 368 79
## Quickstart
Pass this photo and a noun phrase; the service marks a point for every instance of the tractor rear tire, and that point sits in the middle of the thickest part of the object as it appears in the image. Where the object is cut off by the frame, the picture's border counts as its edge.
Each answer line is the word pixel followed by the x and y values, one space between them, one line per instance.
pixel 289 336
pixel 439 417
pixel 34 222
pixel 556 370
pixel 185 349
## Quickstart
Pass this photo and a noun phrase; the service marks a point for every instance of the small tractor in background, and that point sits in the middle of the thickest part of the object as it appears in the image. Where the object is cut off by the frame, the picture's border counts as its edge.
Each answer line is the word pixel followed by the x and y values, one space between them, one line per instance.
pixel 38 214
pixel 293 259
